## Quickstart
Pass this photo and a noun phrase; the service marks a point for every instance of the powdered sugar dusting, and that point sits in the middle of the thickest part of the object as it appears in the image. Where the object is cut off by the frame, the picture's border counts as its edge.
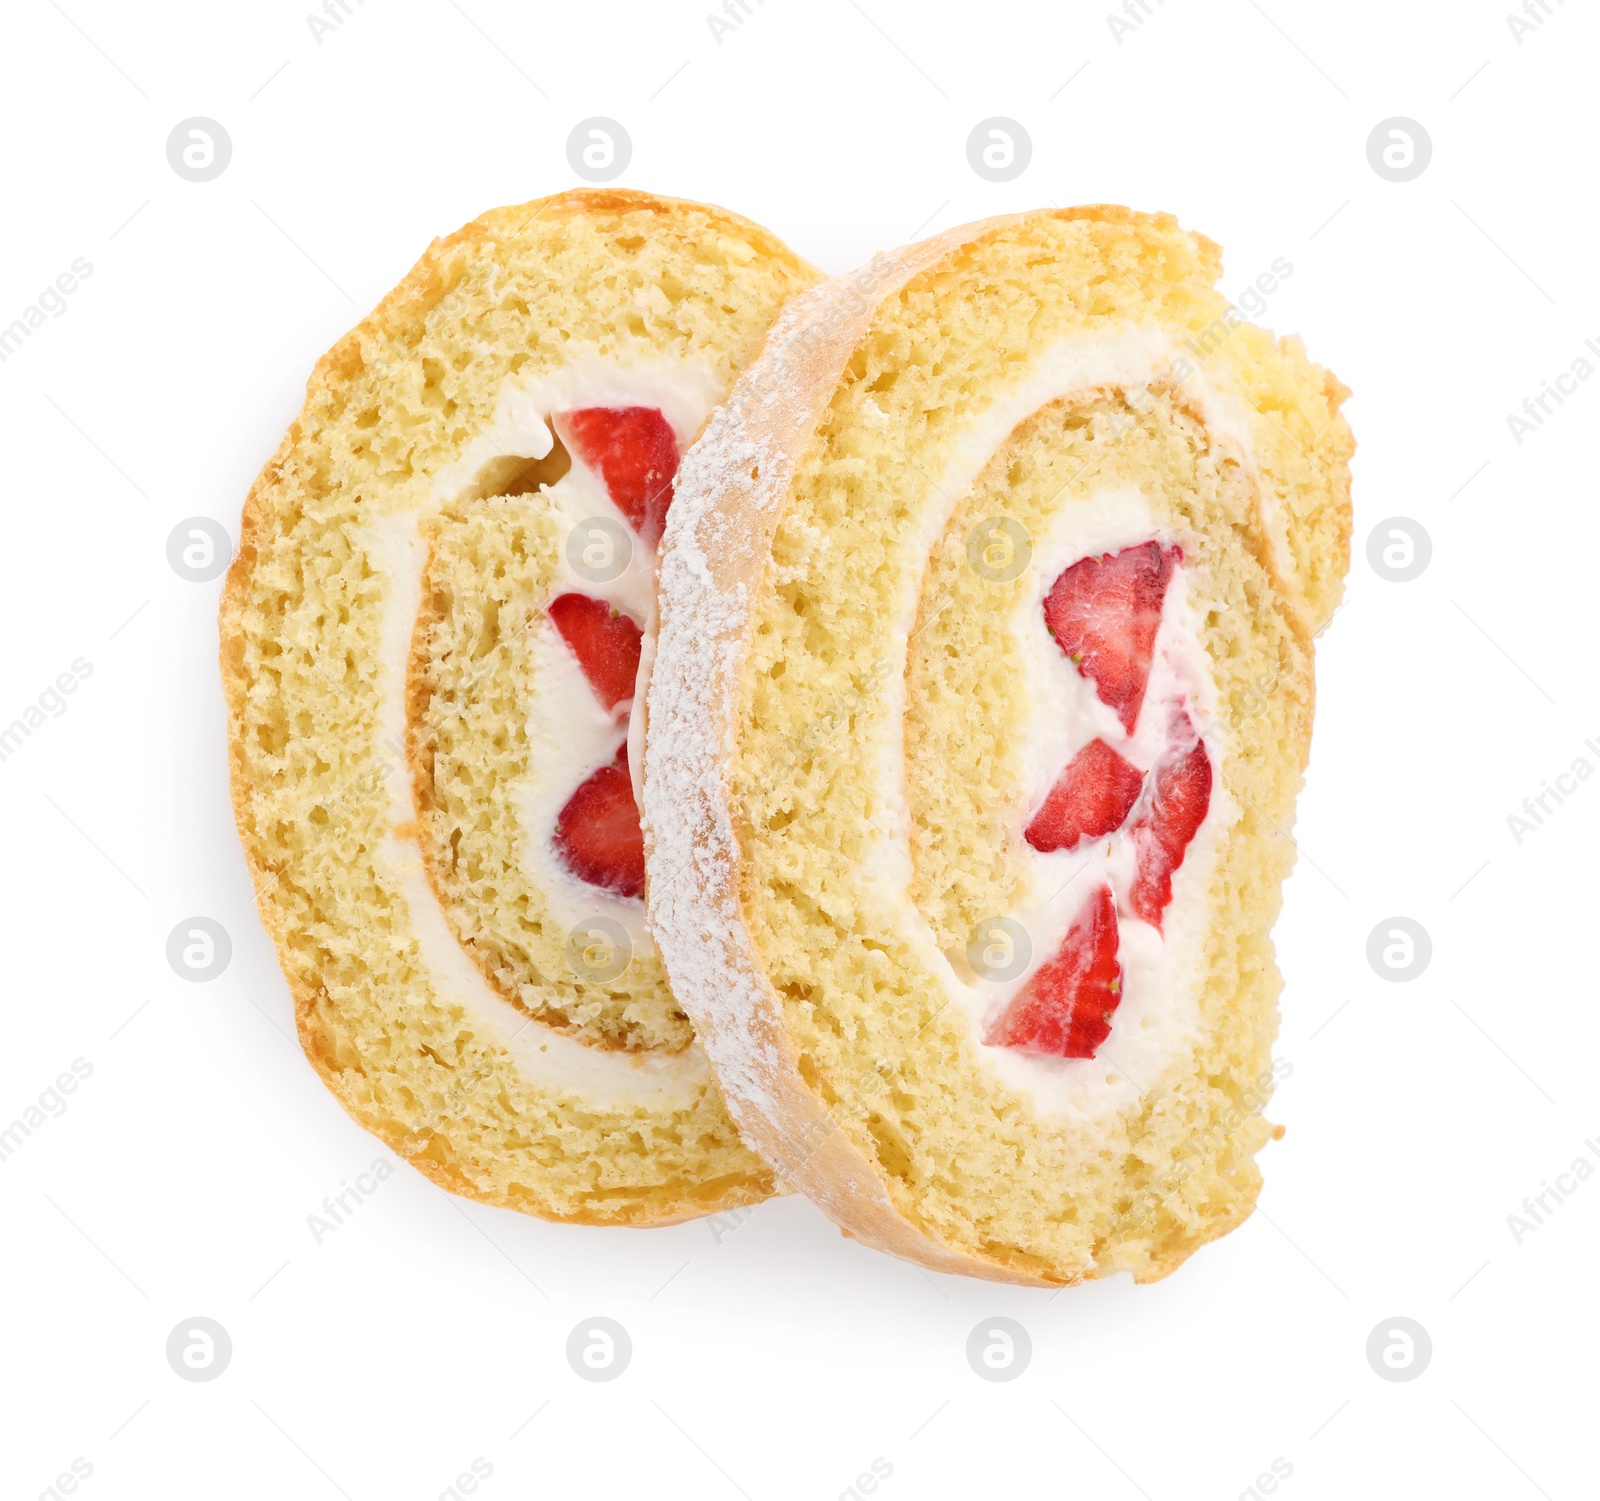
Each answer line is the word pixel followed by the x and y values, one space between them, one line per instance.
pixel 719 532
pixel 717 546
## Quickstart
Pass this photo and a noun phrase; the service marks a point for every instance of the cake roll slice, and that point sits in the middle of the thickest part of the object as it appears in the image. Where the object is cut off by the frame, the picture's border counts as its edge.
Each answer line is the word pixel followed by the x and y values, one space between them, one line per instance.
pixel 981 701
pixel 432 636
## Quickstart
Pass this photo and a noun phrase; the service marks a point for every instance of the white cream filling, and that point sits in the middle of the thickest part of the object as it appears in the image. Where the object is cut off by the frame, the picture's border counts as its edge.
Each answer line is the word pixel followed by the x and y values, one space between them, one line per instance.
pixel 1157 1016
pixel 1159 1008
pixel 569 732
pixel 684 390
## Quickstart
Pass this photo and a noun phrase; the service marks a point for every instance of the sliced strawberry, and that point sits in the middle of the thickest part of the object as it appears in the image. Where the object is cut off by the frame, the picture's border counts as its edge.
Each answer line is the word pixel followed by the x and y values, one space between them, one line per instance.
pixel 597 833
pixel 1065 1008
pixel 636 453
pixel 1090 798
pixel 1104 613
pixel 1180 793
pixel 605 643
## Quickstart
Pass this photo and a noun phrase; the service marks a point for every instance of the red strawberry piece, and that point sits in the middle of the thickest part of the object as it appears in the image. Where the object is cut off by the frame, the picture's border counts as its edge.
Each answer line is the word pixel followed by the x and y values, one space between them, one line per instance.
pixel 598 835
pixel 636 453
pixel 1104 613
pixel 1180 793
pixel 1065 1008
pixel 1091 797
pixel 605 643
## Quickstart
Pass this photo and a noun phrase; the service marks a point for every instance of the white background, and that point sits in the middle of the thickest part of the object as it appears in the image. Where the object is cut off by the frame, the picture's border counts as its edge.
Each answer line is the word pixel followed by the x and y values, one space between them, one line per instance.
pixel 781 1360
